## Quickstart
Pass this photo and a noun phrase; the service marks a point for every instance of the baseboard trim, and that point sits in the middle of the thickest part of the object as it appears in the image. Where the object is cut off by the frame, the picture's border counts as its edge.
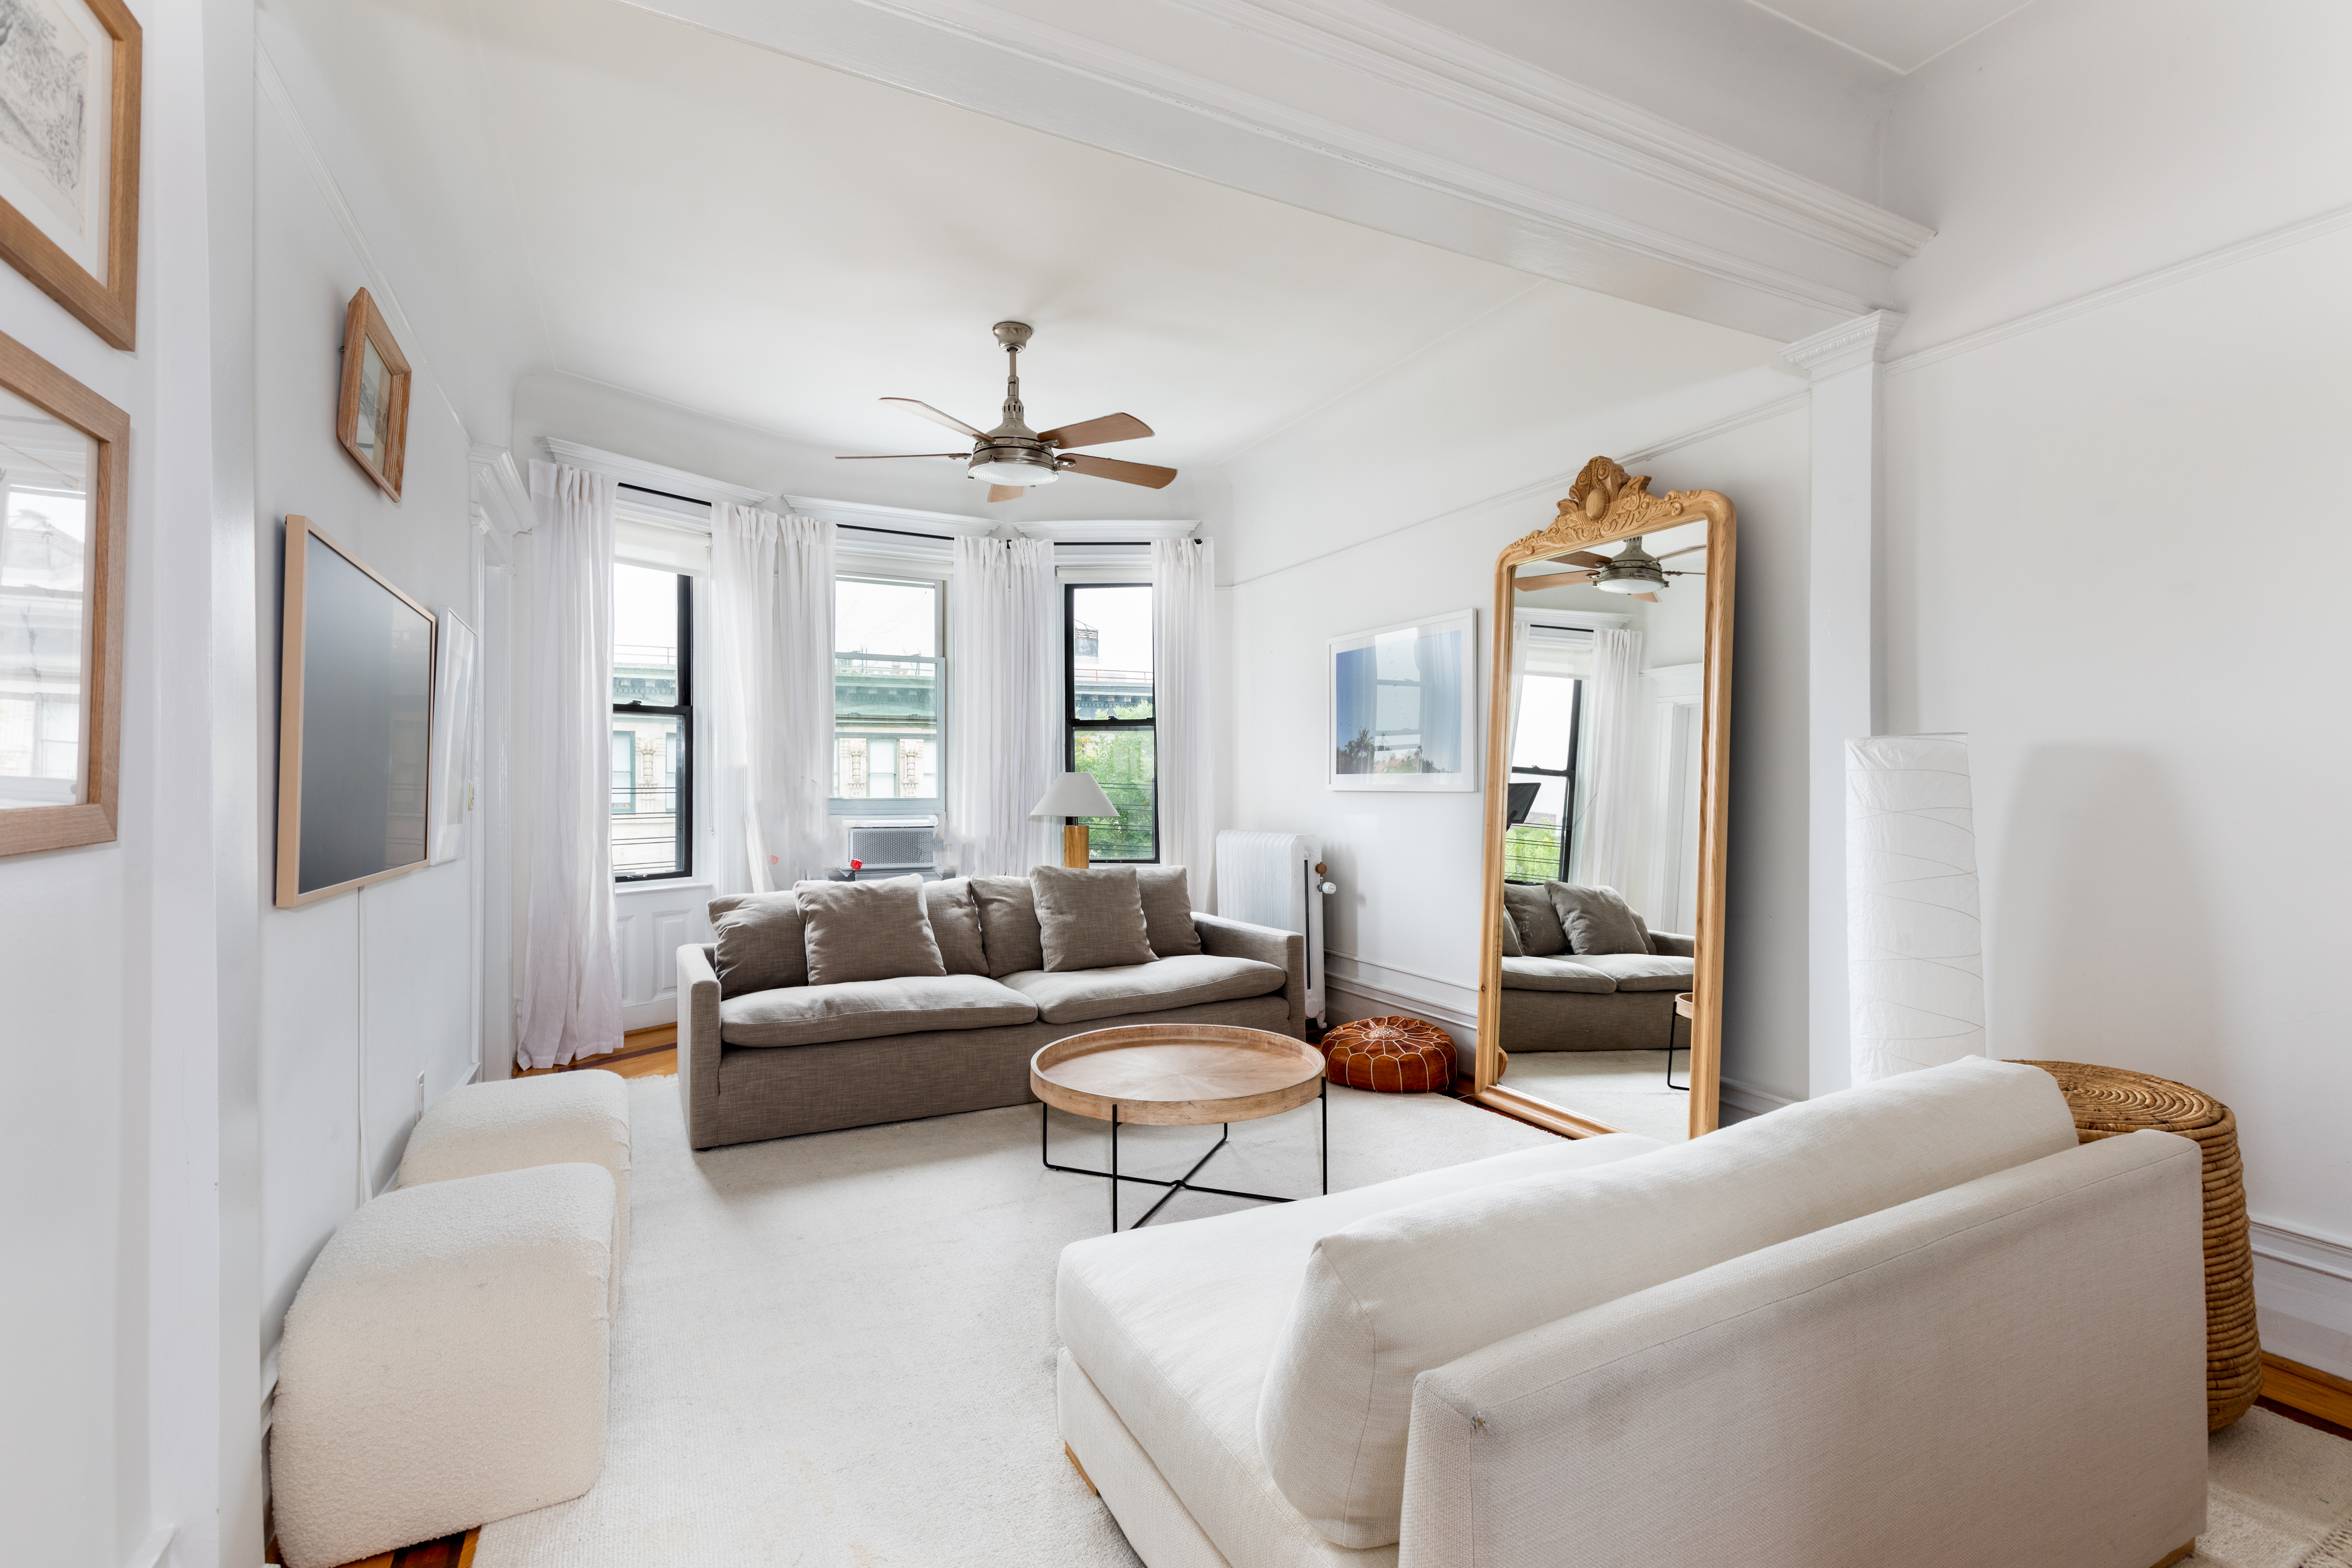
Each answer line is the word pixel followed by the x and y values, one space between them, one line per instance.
pixel 1464 1027
pixel 2302 1297
pixel 2307 1389
pixel 1747 1097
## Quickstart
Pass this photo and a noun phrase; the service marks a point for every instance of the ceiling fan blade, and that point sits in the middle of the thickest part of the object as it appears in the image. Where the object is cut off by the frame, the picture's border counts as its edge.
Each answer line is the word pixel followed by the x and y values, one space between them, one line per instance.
pixel 1005 491
pixel 1583 557
pixel 1095 431
pixel 1647 598
pixel 1671 554
pixel 877 456
pixel 1553 579
pixel 1148 473
pixel 925 411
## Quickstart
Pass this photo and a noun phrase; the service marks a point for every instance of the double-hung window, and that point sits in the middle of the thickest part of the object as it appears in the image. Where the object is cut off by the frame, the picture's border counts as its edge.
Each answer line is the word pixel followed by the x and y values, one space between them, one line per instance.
pixel 1107 646
pixel 652 724
pixel 889 683
pixel 1538 846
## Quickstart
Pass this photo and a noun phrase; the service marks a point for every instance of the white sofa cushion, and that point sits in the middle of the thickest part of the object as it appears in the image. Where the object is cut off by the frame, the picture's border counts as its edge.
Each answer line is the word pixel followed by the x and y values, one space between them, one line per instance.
pixel 1175 1325
pixel 1407 1290
pixel 514 1124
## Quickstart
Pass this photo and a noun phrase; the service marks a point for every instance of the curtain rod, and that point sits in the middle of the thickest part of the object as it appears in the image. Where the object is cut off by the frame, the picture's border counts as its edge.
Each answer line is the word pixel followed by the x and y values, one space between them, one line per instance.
pixel 667 495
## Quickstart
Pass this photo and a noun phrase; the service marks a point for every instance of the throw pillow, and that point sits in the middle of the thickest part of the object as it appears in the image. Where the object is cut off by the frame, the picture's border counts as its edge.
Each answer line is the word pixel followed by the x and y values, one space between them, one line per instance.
pixel 1166 910
pixel 955 925
pixel 1529 907
pixel 867 931
pixel 1090 919
pixel 1008 924
pixel 1596 919
pixel 758 943
pixel 1508 932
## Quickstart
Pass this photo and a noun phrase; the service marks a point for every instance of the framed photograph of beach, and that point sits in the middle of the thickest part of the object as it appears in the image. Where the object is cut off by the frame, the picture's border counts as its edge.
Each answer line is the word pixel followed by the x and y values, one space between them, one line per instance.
pixel 70 156
pixel 1404 706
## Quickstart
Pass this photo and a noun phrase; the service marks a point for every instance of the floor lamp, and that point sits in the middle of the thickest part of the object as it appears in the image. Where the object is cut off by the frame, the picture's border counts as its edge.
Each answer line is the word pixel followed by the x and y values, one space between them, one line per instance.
pixel 1074 794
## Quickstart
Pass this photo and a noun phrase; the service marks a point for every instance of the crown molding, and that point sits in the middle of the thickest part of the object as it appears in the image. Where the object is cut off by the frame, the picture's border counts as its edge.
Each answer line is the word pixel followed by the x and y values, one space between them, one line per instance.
pixel 651 475
pixel 893 520
pixel 498 491
pixel 1346 108
pixel 1846 346
pixel 1111 531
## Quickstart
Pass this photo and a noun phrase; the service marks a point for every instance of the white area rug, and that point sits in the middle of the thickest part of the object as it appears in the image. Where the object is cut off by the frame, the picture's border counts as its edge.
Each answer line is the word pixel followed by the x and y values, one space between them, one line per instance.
pixel 839 1349
pixel 1624 1089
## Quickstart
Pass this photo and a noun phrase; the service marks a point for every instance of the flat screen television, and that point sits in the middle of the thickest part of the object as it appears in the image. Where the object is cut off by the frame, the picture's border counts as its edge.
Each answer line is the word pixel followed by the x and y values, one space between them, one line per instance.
pixel 354 726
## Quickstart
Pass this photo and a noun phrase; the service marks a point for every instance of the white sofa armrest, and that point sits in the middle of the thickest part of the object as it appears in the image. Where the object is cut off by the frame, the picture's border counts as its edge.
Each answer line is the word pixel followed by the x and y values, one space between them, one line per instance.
pixel 2007 1371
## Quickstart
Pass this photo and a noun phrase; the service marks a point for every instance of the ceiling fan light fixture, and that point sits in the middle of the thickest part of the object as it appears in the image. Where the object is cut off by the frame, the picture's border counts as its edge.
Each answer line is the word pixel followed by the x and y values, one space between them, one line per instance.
pixel 1630 580
pixel 1013 465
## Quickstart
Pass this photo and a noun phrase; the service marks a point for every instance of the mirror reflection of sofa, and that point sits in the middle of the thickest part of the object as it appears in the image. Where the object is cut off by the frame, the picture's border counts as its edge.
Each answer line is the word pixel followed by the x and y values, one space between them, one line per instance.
pixel 1555 997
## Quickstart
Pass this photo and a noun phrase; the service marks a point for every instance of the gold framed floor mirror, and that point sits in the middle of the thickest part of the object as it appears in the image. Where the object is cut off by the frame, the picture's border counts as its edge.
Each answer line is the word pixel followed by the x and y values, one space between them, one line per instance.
pixel 1602 941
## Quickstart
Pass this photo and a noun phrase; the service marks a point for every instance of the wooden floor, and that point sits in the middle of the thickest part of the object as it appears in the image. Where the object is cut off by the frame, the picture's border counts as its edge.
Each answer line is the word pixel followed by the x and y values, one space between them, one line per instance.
pixel 2299 1393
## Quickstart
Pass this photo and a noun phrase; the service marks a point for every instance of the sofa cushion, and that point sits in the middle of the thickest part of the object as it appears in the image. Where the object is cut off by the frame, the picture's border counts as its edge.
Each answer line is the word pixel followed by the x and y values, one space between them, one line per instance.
pixel 1174 1325
pixel 1167 898
pixel 1529 907
pixel 861 1009
pixel 1554 975
pixel 758 942
pixel 1091 918
pixel 1397 1294
pixel 1639 971
pixel 1596 919
pixel 955 925
pixel 1073 995
pixel 1008 923
pixel 867 931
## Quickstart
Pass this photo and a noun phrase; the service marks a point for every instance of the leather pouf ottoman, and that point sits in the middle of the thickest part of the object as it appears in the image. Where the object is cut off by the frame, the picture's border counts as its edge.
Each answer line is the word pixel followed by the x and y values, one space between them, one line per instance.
pixel 1390 1055
pixel 445 1363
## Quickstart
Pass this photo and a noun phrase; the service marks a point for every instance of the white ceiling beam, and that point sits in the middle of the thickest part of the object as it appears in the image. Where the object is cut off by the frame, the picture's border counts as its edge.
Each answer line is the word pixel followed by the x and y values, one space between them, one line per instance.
pixel 1346 108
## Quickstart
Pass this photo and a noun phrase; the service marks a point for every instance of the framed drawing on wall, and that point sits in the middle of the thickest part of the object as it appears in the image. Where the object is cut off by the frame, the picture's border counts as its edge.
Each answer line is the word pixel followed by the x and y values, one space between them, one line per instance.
pixel 372 415
pixel 65 465
pixel 70 156
pixel 354 724
pixel 1404 708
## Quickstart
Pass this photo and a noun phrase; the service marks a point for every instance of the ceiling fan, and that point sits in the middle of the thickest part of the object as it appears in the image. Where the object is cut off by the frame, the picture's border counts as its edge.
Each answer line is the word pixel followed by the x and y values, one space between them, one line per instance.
pixel 1632 570
pixel 1012 457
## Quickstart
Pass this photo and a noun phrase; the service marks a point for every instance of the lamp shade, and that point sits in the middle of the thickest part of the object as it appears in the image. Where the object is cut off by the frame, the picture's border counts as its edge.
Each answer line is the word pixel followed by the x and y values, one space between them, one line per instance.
pixel 1074 794
pixel 1915 958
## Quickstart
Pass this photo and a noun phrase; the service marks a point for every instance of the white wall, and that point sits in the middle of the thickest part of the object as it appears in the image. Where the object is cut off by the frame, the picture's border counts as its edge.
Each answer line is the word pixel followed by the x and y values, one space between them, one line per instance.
pixel 2112 542
pixel 1370 513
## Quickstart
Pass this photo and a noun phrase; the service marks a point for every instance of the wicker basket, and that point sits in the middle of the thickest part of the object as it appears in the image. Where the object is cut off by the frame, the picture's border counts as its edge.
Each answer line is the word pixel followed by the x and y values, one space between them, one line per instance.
pixel 2108 1102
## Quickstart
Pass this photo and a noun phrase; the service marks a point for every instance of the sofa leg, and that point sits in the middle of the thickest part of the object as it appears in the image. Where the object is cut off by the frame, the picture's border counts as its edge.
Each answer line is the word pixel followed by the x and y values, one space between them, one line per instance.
pixel 1097 1491
pixel 2180 1554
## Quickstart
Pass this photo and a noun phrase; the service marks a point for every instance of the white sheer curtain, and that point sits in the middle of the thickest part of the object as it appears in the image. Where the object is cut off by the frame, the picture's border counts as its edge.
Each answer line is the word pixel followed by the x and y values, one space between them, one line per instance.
pixel 570 976
pixel 1003 622
pixel 1184 630
pixel 1609 804
pixel 772 640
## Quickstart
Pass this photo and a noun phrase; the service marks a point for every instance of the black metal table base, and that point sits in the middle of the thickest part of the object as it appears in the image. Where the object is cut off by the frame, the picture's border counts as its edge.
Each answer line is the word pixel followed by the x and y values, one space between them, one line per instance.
pixel 1185 1182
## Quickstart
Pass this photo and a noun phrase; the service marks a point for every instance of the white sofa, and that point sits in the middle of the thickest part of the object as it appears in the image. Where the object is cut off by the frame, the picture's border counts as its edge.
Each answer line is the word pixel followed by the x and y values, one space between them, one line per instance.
pixel 1914 1323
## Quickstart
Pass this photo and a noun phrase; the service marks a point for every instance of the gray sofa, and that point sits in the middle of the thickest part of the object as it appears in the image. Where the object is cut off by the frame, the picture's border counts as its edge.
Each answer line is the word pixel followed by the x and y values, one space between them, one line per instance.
pixel 816 1058
pixel 1557 999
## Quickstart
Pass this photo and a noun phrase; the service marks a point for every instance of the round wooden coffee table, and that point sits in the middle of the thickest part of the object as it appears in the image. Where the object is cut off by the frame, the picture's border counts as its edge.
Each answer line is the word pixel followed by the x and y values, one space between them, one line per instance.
pixel 1176 1075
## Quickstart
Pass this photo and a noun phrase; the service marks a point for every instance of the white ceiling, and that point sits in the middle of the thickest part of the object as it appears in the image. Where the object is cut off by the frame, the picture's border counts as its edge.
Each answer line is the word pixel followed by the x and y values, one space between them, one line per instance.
pixel 1901 35
pixel 735 232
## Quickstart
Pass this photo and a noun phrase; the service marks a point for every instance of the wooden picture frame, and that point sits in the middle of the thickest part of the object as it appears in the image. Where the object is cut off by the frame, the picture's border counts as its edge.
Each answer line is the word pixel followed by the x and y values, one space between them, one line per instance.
pixel 1606 505
pixel 293 674
pixel 371 413
pixel 92 819
pixel 47 212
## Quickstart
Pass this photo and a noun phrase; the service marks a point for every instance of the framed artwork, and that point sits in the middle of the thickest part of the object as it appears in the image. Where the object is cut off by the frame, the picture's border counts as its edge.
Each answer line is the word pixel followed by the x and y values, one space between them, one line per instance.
pixel 65 467
pixel 1405 710
pixel 354 724
pixel 70 156
pixel 371 415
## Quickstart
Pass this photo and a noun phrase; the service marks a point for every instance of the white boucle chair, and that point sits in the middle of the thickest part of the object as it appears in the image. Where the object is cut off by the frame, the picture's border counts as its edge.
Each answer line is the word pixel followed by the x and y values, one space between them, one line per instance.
pixel 444 1363
pixel 481 1128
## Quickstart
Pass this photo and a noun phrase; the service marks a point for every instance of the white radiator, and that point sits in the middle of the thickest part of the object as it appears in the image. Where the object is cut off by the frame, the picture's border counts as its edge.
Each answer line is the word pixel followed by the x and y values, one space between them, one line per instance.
pixel 1276 880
